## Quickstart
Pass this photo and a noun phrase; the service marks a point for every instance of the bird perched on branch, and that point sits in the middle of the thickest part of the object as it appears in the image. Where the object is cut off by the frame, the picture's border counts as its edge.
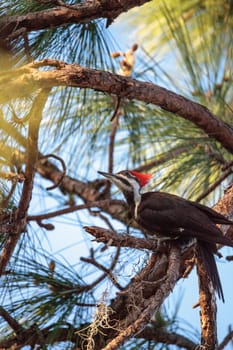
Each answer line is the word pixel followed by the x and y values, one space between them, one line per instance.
pixel 167 216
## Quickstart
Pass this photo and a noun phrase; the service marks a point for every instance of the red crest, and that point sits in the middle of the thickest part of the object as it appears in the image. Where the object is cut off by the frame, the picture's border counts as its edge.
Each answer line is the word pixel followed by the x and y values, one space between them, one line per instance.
pixel 143 178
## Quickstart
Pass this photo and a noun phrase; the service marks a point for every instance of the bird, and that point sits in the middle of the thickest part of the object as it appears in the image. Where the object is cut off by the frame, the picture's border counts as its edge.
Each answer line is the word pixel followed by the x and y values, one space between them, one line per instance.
pixel 166 216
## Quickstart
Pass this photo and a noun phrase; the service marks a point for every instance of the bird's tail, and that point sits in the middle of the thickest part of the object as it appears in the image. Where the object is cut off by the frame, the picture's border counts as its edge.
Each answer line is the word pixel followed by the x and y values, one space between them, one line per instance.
pixel 207 251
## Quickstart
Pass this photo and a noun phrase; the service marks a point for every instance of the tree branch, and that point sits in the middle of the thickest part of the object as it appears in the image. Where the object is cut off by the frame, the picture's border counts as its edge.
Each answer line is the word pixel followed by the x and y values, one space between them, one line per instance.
pixel 171 154
pixel 71 209
pixel 226 340
pixel 214 185
pixel 124 87
pixel 108 271
pixel 62 173
pixel 208 307
pixel 17 328
pixel 69 332
pixel 161 335
pixel 57 16
pixel 151 304
pixel 109 237
pixel 32 156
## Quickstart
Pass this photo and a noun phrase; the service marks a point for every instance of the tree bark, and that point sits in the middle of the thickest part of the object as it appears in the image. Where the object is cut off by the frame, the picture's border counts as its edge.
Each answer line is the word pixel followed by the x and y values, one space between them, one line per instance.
pixel 70 14
pixel 28 78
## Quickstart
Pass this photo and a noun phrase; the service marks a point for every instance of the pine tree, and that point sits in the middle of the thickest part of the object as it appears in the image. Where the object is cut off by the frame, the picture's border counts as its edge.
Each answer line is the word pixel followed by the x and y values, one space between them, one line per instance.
pixel 76 271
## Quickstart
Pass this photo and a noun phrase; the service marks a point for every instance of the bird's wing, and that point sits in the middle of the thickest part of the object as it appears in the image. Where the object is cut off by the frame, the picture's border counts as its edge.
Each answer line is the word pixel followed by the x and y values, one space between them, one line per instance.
pixel 212 214
pixel 166 214
pixel 162 212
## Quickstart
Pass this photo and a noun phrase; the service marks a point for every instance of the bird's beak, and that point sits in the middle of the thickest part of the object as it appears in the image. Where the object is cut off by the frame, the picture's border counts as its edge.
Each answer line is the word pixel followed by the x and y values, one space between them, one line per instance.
pixel 109 176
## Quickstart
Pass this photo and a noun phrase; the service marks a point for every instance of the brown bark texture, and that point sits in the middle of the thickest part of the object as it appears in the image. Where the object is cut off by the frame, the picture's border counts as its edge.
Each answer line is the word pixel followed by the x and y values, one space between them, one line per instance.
pixel 26 79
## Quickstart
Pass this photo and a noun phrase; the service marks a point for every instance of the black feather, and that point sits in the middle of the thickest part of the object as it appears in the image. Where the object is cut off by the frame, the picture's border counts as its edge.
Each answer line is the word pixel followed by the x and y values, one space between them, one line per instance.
pixel 206 250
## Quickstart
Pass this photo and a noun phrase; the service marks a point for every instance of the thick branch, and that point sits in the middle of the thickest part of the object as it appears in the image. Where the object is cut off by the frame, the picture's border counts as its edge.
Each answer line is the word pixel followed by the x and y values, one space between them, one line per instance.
pixel 89 192
pixel 161 335
pixel 123 240
pixel 124 87
pixel 81 13
pixel 151 304
pixel 158 335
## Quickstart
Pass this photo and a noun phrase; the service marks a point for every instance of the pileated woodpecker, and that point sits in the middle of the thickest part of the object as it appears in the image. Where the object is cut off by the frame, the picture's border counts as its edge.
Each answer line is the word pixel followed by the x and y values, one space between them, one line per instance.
pixel 168 216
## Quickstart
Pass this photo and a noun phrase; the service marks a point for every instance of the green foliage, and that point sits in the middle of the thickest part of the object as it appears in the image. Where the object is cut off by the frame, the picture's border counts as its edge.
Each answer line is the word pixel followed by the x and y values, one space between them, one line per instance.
pixel 52 292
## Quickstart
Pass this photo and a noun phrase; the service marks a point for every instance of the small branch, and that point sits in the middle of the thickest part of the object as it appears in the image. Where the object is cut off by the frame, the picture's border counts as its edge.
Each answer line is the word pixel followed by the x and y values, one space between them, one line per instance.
pixel 116 108
pixel 127 64
pixel 215 156
pixel 226 340
pixel 227 166
pixel 107 271
pixel 63 172
pixel 17 328
pixel 5 200
pixel 161 335
pixel 229 258
pixel 32 150
pixel 173 153
pixel 11 130
pixel 123 240
pixel 71 209
pixel 114 127
pixel 27 46
pixel 18 120
pixel 102 217
pixel 214 185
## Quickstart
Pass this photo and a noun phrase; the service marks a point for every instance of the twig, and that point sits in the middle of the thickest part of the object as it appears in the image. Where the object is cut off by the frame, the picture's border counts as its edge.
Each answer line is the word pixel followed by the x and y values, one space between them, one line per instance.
pixel 63 172
pixel 127 64
pixel 215 156
pixel 228 165
pixel 107 271
pixel 5 201
pixel 229 258
pixel 116 108
pixel 163 159
pixel 226 340
pixel 14 177
pixel 18 120
pixel 45 62
pixel 103 217
pixel 115 123
pixel 17 328
pixel 103 235
pixel 27 46
pixel 162 335
pixel 71 209
pixel 214 185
